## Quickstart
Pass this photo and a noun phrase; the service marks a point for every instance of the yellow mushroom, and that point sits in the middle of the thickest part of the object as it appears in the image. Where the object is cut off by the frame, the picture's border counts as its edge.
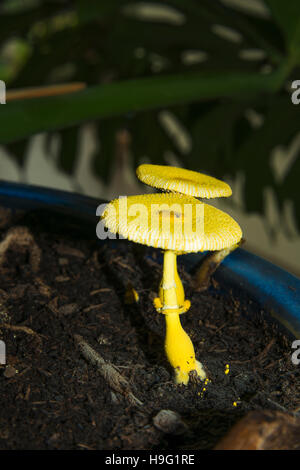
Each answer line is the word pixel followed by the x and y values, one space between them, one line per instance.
pixel 182 181
pixel 177 224
pixel 193 184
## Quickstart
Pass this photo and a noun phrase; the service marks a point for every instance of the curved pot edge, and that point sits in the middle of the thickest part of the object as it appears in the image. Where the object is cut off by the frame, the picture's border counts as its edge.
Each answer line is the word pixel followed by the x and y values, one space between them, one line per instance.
pixel 274 288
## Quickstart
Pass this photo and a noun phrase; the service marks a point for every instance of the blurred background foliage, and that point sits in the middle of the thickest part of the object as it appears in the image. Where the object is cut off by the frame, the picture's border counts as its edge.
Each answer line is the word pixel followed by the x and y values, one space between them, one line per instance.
pixel 207 80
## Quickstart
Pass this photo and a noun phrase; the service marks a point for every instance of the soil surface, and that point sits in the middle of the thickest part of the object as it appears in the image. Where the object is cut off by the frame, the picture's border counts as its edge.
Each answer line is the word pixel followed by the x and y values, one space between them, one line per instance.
pixel 72 338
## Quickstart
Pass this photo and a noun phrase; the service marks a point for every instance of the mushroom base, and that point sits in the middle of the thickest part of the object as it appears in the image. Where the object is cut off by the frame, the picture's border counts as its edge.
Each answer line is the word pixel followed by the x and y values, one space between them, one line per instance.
pixel 182 377
pixel 180 351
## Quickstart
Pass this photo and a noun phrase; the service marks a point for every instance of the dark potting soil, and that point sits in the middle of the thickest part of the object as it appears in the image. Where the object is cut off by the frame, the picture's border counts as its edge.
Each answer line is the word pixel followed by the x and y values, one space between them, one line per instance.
pixel 57 282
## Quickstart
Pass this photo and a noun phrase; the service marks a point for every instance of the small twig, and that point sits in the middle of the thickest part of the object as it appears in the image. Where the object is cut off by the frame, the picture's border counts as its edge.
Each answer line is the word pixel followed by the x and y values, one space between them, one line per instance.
pixel 266 350
pixel 221 327
pixel 43 288
pixel 84 446
pixel 259 356
pixel 97 291
pixel 108 371
pixel 24 329
pixel 93 307
pixel 123 265
pixel 210 264
pixel 278 406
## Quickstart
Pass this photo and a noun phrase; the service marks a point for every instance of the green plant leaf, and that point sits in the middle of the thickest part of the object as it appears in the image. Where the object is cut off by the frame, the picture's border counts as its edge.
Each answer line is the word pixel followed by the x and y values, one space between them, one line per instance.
pixel 104 157
pixel 213 134
pixel 289 190
pixel 68 149
pixel 287 15
pixel 281 124
pixel 24 118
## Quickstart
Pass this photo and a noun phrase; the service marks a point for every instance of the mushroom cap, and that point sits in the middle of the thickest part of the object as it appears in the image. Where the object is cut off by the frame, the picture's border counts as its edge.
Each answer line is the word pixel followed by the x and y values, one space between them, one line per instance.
pixel 182 181
pixel 171 222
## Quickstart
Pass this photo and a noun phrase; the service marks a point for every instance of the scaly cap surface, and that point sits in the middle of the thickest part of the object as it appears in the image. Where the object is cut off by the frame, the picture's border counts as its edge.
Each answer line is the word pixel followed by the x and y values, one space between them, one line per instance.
pixel 194 226
pixel 182 181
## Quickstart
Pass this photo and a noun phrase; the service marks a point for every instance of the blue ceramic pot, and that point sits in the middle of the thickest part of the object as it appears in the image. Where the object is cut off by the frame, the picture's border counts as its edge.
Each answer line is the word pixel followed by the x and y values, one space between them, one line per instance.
pixel 274 289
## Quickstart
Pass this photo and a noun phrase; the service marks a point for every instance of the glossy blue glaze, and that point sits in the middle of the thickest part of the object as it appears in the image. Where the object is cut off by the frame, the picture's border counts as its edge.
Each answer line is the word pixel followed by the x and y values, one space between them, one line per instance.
pixel 29 196
pixel 273 288
pixel 276 290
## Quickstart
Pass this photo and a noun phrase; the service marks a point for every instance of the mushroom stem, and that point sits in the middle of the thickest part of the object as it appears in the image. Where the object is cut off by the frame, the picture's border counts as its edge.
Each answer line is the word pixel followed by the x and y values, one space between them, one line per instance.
pixel 171 292
pixel 210 264
pixel 180 350
pixel 171 284
pixel 178 345
pixel 179 286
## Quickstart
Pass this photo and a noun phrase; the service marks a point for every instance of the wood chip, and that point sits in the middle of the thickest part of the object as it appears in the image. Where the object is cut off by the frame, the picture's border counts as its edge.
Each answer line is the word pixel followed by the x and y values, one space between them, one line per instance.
pixel 123 265
pixel 43 288
pixel 3 295
pixel 53 305
pixel 5 217
pixel 93 307
pixel 263 430
pixel 18 291
pixel 26 397
pixel 68 309
pixel 65 250
pixel 62 278
pixel 9 372
pixel 24 240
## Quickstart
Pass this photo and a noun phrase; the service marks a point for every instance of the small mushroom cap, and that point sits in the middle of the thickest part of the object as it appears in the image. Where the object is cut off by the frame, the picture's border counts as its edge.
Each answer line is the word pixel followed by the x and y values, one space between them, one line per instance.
pixel 171 222
pixel 182 181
